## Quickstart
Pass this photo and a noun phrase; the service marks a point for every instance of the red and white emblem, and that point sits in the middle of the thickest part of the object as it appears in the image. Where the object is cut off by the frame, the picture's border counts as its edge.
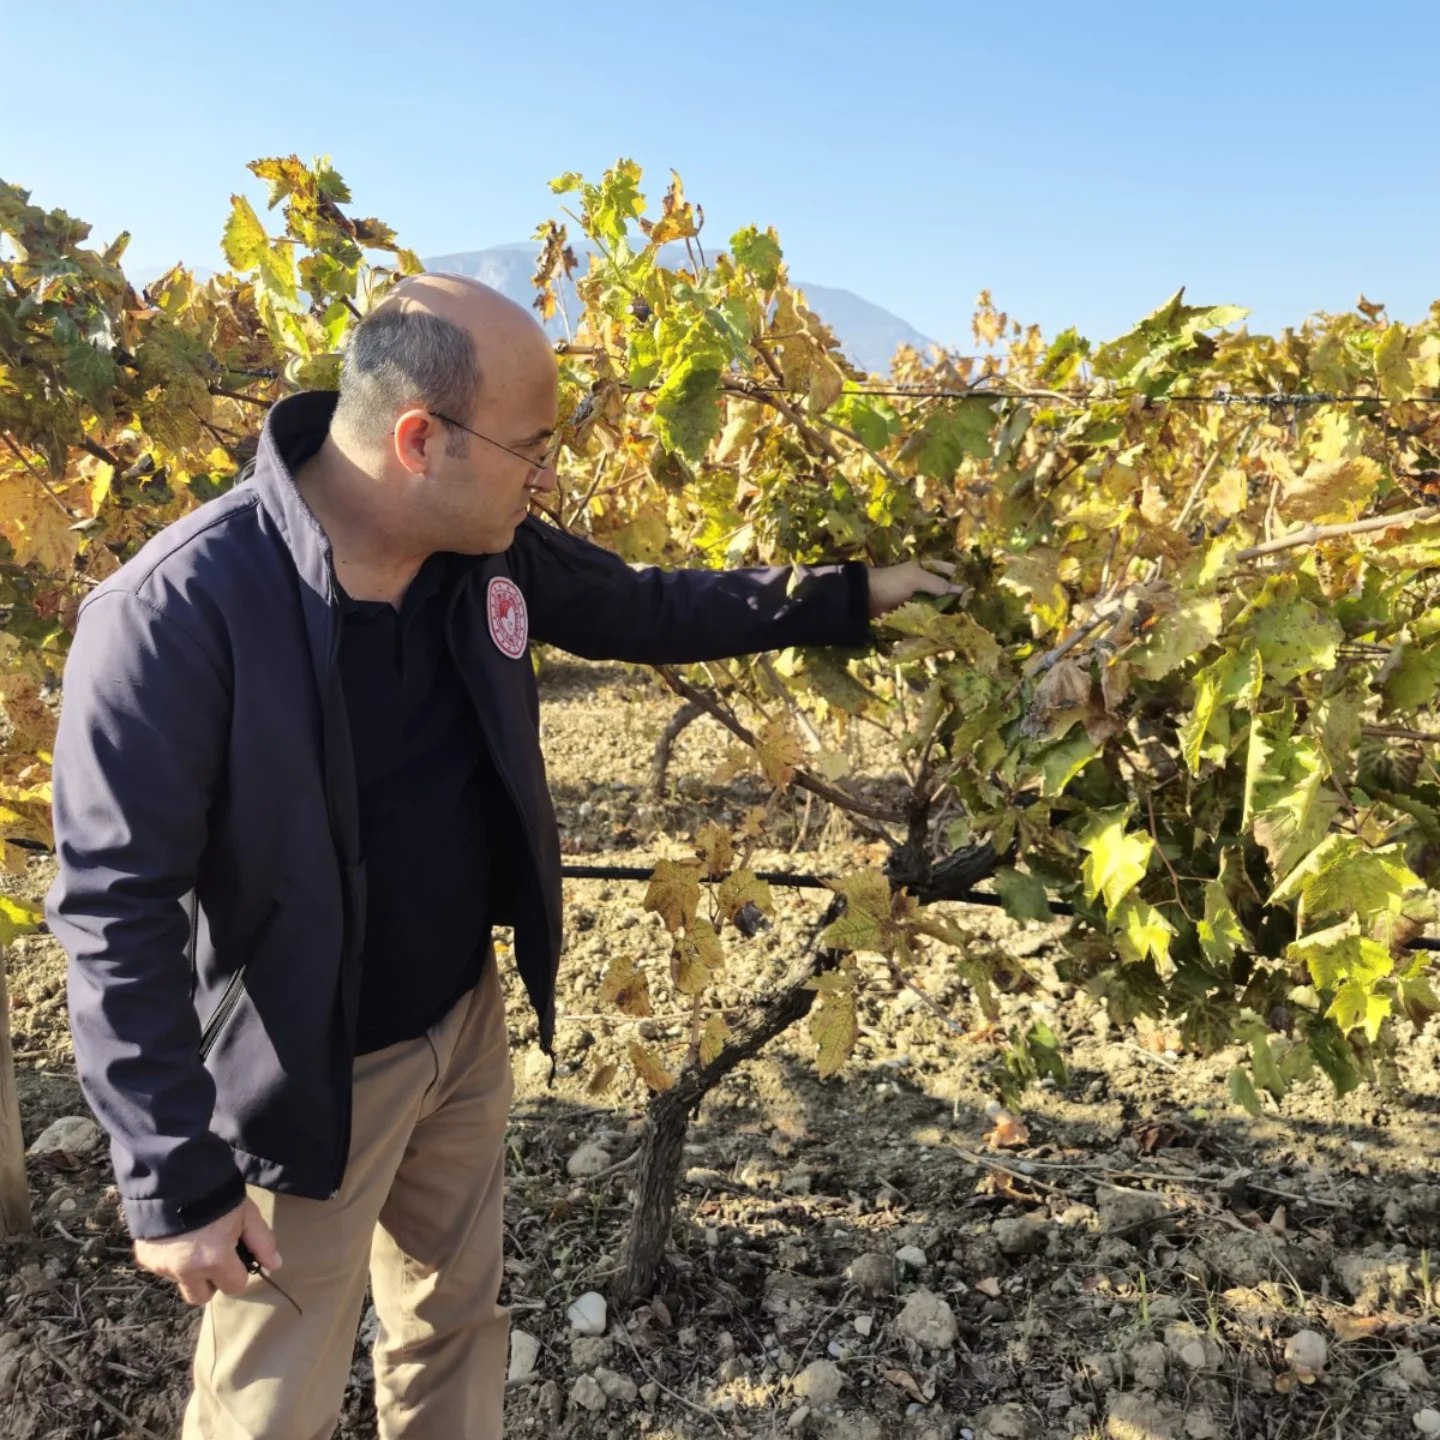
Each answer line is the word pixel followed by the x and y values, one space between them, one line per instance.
pixel 509 620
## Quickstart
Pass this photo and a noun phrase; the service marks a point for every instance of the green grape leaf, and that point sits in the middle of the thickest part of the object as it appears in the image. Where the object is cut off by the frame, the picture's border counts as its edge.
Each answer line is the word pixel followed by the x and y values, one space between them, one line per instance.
pixel 1242 1091
pixel 867 923
pixel 758 252
pixel 1022 894
pixel 688 412
pixel 1178 637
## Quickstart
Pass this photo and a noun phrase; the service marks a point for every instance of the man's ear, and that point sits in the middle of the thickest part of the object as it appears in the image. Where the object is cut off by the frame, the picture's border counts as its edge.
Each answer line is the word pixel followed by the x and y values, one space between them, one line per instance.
pixel 417 440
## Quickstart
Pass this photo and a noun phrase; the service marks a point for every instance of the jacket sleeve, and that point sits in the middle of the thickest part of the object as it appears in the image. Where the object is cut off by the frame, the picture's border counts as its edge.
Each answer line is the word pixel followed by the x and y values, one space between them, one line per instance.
pixel 144 724
pixel 590 602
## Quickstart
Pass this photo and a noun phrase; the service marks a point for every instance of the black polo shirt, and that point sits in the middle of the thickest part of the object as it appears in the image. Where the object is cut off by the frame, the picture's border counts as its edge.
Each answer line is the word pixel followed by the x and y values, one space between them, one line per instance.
pixel 432 809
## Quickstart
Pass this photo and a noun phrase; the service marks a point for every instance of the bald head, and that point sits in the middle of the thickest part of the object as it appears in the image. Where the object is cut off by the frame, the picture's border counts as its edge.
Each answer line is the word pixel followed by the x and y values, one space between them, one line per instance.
pixel 436 341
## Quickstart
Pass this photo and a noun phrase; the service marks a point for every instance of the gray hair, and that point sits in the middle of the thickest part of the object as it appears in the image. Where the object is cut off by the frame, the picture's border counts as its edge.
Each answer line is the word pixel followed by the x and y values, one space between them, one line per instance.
pixel 398 357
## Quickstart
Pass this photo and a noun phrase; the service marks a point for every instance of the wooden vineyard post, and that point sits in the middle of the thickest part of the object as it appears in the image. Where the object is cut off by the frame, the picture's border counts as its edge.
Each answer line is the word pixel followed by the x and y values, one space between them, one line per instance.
pixel 14 1190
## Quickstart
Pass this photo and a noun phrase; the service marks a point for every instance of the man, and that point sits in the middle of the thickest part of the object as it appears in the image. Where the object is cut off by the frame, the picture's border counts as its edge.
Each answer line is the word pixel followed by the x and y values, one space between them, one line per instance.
pixel 297 781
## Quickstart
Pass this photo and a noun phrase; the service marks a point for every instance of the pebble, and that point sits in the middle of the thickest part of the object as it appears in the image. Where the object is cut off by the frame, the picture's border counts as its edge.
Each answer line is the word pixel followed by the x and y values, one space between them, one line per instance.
pixel 1306 1351
pixel 928 1321
pixel 69 1135
pixel 616 1386
pixel 872 1275
pixel 1427 1421
pixel 1412 1369
pixel 1006 1422
pixel 524 1351
pixel 1128 1209
pixel 586 1392
pixel 819 1383
pixel 589 1159
pixel 863 1324
pixel 587 1315
pixel 1019 1237
pixel 912 1256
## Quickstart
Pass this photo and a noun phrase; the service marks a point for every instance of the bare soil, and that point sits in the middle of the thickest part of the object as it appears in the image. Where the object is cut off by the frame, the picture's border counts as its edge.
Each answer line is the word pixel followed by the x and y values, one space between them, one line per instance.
pixel 1135 1263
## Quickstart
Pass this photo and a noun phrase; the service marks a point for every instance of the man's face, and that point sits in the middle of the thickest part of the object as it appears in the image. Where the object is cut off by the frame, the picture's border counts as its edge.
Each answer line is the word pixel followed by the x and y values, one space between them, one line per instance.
pixel 484 474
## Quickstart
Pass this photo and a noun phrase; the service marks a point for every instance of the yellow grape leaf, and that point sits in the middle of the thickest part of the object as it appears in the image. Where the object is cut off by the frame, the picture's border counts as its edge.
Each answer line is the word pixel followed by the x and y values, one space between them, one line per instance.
pixel 626 988
pixel 744 888
pixel 1142 933
pixel 16 918
pixel 713 1038
pixel 715 849
pixel 1115 860
pixel 1355 1006
pixel 648 1067
pixel 674 892
pixel 1330 490
pixel 698 955
pixel 1037 574
pixel 1220 933
pixel 1341 955
pixel 602 1079
pixel 834 1028
pixel 752 827
pixel 779 751
pixel 738 759
pixel 37 528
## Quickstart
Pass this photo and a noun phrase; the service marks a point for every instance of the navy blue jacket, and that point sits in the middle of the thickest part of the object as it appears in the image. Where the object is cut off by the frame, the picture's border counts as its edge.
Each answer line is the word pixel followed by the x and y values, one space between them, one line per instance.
pixel 211 890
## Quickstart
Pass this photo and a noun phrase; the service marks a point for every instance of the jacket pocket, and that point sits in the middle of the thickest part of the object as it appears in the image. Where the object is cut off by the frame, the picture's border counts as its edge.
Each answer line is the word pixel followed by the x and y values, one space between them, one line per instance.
pixel 235 987
pixel 222 1012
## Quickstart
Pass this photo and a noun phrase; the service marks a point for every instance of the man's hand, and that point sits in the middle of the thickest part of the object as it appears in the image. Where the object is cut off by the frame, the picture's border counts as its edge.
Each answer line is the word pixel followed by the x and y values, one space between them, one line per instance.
pixel 203 1261
pixel 893 585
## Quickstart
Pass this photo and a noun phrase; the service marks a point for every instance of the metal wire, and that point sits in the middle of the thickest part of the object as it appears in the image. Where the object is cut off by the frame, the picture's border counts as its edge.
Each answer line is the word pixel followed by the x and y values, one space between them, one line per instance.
pixel 819 882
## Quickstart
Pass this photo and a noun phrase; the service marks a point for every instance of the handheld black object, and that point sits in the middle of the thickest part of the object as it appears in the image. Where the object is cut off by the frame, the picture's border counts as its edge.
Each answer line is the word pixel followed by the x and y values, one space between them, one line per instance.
pixel 248 1260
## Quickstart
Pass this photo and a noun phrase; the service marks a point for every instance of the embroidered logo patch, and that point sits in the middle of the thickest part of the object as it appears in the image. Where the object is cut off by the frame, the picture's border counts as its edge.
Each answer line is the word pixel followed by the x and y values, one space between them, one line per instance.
pixel 509 621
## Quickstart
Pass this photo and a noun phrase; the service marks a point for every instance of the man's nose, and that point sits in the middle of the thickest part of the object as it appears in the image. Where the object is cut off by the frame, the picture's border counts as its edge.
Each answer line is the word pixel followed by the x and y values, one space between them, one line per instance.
pixel 545 479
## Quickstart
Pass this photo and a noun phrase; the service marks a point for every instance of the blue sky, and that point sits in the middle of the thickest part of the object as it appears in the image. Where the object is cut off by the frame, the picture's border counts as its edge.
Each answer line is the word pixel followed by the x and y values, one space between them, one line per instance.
pixel 1081 161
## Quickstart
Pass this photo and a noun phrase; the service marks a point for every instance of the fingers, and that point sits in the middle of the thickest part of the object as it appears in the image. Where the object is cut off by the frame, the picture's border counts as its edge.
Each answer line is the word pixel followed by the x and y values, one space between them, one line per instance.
pixel 260 1237
pixel 230 1276
pixel 196 1292
pixel 941 567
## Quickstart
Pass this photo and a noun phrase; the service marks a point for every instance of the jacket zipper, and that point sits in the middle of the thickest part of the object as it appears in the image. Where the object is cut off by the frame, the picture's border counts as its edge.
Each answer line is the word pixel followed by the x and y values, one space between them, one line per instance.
pixel 228 1001
pixel 347 1096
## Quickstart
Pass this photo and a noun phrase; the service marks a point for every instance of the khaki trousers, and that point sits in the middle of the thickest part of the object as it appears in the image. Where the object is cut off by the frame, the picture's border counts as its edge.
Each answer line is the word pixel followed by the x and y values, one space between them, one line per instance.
pixel 421 1207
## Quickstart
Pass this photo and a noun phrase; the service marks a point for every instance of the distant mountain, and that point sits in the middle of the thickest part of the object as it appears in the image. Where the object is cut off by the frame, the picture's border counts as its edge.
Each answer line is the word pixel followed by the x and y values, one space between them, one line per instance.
pixel 869 334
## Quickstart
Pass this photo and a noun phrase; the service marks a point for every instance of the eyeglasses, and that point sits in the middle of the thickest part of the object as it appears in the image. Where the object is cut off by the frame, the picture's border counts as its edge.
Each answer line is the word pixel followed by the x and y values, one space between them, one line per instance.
pixel 545 462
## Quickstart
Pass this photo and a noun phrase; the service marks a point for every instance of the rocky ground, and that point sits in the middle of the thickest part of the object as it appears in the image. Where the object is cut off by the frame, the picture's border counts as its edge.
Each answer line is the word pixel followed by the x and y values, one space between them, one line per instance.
pixel 883 1254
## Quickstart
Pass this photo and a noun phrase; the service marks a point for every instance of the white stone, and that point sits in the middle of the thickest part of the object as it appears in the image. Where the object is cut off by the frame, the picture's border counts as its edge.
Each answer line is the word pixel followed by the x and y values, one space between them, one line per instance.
pixel 70 1135
pixel 1306 1350
pixel 1427 1421
pixel 928 1321
pixel 863 1324
pixel 586 1391
pixel 589 1159
pixel 587 1315
pixel 911 1255
pixel 617 1386
pixel 524 1351
pixel 820 1382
